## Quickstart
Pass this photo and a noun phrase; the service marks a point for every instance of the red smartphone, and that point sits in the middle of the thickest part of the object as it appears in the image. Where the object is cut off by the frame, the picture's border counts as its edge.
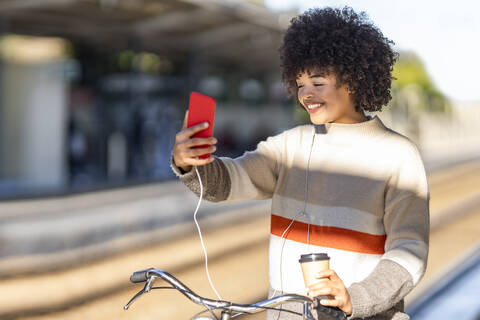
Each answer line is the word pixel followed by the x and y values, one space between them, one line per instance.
pixel 201 109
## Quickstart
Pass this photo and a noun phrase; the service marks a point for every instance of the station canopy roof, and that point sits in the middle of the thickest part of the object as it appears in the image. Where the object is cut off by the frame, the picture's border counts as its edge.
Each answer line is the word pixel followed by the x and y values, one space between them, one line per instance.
pixel 230 31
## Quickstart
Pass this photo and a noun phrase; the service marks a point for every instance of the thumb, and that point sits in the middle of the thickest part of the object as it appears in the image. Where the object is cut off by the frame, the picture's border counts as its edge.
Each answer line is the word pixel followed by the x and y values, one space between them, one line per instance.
pixel 185 120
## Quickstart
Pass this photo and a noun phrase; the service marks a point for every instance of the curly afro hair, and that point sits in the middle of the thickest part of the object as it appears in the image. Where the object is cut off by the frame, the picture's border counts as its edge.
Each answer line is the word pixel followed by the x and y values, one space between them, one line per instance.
pixel 343 43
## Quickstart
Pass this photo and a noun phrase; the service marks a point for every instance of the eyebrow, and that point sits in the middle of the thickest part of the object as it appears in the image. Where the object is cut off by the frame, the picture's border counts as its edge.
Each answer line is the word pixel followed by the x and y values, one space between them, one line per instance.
pixel 312 76
pixel 316 76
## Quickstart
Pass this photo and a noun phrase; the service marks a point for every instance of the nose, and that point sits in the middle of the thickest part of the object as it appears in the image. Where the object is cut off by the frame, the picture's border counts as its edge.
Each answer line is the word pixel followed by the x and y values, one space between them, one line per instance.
pixel 305 94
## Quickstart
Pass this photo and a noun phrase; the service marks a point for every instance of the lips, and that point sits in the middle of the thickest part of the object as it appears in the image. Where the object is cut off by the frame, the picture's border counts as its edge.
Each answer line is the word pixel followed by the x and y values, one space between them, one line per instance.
pixel 314 106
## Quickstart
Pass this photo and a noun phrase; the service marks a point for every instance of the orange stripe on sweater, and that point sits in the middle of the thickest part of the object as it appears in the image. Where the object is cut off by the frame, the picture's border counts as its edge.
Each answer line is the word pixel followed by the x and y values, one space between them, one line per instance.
pixel 330 237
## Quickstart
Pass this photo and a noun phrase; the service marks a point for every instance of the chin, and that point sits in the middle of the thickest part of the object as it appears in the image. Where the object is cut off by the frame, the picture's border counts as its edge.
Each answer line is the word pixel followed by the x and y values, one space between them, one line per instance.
pixel 318 121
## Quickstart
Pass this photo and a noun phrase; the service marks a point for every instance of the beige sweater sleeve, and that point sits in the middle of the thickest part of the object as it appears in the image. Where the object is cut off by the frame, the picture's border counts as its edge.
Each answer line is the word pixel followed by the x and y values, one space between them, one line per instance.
pixel 254 175
pixel 406 224
pixel 251 176
pixel 407 218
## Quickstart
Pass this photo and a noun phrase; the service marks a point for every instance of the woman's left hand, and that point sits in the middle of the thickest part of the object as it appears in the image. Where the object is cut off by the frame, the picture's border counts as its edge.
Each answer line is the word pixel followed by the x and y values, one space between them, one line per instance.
pixel 331 285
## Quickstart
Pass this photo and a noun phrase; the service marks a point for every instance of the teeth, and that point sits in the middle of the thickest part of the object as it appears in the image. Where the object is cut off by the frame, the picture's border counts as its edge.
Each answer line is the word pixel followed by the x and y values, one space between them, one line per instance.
pixel 313 106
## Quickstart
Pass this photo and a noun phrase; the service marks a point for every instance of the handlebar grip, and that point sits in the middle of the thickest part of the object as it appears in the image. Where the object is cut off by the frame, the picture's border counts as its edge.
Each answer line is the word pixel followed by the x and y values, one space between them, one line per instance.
pixel 328 313
pixel 140 276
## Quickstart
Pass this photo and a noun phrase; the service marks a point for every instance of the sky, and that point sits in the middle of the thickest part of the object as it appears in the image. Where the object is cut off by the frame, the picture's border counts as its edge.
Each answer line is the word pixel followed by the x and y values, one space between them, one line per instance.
pixel 444 34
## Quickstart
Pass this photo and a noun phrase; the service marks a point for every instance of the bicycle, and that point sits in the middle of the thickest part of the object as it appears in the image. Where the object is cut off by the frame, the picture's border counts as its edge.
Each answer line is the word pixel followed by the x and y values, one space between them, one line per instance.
pixel 230 310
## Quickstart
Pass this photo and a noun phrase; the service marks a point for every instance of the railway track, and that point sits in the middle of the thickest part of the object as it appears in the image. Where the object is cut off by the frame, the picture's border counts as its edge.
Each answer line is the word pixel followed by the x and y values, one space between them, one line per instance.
pixel 238 260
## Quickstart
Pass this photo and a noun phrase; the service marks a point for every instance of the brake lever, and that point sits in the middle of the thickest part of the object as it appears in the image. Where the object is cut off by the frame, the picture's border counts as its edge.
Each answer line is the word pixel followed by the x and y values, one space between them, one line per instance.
pixel 149 284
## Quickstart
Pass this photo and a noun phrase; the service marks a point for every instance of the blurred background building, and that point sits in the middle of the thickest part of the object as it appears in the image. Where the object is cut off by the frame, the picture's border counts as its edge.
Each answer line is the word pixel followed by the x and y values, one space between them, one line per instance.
pixel 94 91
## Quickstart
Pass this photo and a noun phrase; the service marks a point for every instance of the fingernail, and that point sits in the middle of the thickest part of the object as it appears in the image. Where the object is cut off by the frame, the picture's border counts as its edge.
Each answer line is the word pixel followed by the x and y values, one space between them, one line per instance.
pixel 205 124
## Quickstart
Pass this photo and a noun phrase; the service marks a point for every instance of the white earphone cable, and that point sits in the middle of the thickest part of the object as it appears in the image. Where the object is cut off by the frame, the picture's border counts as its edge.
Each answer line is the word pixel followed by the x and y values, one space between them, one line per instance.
pixel 303 212
pixel 200 234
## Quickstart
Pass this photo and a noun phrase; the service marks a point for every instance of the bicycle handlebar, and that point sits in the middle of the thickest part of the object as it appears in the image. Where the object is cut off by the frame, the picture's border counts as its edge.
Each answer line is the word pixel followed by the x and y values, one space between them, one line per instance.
pixel 149 276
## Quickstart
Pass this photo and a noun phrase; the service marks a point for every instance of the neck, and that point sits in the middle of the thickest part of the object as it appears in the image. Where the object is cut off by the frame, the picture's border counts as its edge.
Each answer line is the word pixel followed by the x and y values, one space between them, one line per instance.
pixel 357 117
pixel 334 131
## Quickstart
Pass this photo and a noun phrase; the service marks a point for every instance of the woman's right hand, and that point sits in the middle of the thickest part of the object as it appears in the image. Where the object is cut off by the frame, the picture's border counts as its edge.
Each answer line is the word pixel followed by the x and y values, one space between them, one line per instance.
pixel 185 155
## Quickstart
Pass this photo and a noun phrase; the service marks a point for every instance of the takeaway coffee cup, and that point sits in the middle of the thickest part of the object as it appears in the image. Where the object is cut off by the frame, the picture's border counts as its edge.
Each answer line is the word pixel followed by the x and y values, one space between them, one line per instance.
pixel 313 263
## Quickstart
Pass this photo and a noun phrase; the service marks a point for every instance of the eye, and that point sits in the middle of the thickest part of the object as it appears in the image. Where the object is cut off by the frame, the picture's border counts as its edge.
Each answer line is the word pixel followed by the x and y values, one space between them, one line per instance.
pixel 319 84
pixel 299 85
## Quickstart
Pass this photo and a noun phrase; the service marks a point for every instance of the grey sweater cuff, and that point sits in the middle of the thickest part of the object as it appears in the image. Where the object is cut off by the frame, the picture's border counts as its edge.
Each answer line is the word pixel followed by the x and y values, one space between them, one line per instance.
pixel 215 180
pixel 384 288
pixel 179 172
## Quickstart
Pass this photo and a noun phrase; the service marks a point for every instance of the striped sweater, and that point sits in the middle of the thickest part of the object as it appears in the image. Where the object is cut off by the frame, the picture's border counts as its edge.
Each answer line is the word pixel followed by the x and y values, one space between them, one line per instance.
pixel 355 191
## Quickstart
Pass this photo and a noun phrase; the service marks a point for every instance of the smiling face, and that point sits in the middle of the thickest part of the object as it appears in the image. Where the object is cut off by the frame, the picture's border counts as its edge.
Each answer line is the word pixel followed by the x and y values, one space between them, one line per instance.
pixel 325 101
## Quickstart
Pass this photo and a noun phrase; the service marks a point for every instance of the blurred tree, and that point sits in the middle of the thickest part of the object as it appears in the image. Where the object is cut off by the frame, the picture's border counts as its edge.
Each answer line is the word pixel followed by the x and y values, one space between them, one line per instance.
pixel 413 88
pixel 414 95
